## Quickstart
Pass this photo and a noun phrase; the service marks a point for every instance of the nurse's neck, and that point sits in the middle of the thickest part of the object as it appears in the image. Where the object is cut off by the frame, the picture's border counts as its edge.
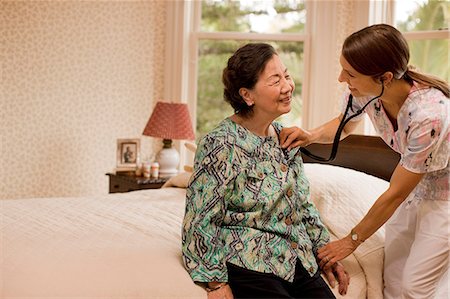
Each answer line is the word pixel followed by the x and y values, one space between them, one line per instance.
pixel 395 94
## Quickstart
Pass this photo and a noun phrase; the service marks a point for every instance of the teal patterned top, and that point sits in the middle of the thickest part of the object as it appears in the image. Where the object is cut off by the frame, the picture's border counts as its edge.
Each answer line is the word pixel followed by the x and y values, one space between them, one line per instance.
pixel 248 203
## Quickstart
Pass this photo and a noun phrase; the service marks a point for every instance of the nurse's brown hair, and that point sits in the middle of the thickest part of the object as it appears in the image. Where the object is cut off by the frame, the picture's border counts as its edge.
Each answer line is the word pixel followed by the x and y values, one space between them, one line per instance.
pixel 381 48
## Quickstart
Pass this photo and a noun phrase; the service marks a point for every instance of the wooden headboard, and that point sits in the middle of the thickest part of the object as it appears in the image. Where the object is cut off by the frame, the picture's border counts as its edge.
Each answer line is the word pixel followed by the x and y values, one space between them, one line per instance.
pixel 368 154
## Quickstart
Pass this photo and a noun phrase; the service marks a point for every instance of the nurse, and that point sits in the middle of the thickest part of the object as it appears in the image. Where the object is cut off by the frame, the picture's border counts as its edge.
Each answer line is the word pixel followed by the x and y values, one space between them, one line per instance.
pixel 412 117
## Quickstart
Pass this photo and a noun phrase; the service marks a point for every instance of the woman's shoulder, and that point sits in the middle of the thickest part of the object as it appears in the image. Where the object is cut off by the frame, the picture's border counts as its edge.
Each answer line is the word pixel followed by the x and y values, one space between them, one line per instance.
pixel 219 136
pixel 277 126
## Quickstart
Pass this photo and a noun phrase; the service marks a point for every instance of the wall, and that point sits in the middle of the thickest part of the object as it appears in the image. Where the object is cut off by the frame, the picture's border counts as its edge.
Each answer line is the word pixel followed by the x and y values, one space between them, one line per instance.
pixel 76 76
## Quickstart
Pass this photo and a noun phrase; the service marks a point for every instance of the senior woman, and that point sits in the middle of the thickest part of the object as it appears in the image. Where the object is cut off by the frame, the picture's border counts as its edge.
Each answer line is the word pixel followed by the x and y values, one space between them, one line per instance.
pixel 249 228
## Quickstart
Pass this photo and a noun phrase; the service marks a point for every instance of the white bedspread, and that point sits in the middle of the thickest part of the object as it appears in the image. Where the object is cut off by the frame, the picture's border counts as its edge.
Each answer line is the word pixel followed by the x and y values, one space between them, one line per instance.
pixel 127 245
pixel 114 246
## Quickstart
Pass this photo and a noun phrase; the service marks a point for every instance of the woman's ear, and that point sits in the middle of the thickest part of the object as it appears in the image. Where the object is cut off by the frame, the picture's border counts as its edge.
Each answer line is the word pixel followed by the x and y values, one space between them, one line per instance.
pixel 386 78
pixel 247 96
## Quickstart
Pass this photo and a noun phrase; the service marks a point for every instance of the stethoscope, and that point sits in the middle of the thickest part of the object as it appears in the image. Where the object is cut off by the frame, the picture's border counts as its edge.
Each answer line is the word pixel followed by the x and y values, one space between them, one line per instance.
pixel 342 124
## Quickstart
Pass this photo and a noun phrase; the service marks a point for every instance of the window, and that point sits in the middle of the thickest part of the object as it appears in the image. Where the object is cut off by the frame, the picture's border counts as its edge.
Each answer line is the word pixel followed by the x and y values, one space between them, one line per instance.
pixel 225 26
pixel 308 36
pixel 425 25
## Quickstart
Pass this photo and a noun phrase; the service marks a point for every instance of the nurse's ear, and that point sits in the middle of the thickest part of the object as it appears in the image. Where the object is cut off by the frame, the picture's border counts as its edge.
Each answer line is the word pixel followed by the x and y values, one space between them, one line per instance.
pixel 247 96
pixel 386 78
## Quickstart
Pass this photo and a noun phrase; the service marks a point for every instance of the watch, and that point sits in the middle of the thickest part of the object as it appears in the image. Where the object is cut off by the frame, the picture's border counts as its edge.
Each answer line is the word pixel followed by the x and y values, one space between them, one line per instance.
pixel 355 236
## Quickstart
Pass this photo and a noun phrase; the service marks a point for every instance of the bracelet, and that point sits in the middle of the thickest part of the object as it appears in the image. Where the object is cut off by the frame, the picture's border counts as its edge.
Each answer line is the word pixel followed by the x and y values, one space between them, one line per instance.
pixel 208 289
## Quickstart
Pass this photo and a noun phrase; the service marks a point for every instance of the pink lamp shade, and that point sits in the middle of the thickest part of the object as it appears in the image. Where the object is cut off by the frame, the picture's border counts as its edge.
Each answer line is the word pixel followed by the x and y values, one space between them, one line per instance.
pixel 169 121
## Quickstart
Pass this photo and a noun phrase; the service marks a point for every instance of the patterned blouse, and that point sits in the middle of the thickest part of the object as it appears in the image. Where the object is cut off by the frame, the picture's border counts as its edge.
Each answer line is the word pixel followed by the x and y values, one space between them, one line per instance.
pixel 422 138
pixel 247 203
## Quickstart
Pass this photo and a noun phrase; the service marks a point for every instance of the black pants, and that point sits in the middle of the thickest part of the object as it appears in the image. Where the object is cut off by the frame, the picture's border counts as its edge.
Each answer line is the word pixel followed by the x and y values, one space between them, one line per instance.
pixel 251 284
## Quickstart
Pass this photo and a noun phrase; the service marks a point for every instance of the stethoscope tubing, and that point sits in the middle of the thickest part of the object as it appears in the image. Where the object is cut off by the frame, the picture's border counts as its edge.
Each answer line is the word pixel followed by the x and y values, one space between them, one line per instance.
pixel 341 126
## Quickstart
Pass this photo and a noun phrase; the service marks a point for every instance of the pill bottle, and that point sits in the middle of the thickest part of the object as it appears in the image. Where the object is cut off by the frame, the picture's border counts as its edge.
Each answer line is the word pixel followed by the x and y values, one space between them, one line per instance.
pixel 146 170
pixel 154 170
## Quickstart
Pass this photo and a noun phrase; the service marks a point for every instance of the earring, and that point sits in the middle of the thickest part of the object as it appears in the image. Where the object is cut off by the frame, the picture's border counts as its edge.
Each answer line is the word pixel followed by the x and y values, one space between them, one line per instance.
pixel 251 104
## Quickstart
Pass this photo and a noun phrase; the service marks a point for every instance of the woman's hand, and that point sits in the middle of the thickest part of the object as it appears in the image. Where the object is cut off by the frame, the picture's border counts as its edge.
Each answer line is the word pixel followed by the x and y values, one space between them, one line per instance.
pixel 335 251
pixel 338 271
pixel 293 137
pixel 221 293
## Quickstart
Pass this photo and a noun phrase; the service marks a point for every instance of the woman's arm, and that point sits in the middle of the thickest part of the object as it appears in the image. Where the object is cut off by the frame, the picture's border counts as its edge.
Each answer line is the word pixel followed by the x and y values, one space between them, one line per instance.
pixel 294 136
pixel 205 209
pixel 402 183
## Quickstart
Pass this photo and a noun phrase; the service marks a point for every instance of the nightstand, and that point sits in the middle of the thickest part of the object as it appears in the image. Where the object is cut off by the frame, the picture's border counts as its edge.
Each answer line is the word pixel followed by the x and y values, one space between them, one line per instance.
pixel 130 182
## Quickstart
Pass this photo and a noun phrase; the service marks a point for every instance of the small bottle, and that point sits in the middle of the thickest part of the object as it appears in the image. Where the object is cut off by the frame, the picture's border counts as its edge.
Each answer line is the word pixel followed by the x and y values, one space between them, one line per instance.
pixel 154 170
pixel 138 170
pixel 146 170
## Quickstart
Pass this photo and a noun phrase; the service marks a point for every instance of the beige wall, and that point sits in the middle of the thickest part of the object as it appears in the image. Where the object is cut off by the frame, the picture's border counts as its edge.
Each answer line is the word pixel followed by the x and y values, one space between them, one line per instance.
pixel 76 76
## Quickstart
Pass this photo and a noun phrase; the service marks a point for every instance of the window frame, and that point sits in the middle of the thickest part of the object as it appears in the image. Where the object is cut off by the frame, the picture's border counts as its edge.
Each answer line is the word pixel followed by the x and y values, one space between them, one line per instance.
pixel 183 19
pixel 198 35
pixel 384 12
pixel 319 104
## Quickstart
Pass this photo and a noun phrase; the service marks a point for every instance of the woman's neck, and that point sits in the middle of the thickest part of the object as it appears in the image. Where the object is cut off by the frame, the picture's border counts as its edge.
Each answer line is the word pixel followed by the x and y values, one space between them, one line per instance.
pixel 258 127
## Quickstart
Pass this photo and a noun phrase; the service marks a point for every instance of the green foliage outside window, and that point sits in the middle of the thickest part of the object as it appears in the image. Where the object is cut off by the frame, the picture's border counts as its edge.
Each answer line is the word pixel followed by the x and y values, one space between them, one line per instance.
pixel 213 55
pixel 430 56
pixel 211 105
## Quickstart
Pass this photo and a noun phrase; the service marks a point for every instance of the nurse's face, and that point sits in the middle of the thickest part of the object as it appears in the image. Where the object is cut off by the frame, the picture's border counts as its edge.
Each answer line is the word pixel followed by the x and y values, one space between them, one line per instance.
pixel 359 84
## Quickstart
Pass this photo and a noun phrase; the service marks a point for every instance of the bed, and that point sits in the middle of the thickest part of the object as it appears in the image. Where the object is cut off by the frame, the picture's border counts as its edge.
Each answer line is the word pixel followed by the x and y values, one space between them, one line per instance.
pixel 127 245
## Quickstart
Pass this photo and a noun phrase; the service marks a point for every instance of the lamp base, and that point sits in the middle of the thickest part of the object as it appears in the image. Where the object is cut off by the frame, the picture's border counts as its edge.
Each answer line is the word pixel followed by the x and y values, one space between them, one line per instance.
pixel 168 159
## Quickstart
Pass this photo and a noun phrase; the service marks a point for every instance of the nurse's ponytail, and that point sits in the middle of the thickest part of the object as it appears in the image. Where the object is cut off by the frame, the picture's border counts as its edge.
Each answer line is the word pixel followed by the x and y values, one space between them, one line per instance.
pixel 425 79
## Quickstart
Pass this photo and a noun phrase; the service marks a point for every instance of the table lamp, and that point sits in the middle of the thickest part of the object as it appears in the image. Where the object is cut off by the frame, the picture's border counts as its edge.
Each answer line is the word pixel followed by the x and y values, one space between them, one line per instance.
pixel 169 121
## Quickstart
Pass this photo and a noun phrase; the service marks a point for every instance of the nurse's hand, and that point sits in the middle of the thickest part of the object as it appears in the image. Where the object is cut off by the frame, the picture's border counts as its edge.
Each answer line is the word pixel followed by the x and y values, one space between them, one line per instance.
pixel 335 251
pixel 293 136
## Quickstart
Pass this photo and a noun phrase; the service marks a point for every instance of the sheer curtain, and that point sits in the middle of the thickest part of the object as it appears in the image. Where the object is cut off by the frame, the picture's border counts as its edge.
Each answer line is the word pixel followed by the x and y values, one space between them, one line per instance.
pixel 352 15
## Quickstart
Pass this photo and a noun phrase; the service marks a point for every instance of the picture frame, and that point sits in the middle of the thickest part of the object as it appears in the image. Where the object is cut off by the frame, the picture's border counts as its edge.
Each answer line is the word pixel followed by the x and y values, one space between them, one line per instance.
pixel 128 154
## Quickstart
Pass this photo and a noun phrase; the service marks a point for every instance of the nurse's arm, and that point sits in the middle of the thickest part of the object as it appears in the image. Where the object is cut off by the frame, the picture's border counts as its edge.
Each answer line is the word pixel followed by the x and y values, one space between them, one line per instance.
pixel 294 136
pixel 401 184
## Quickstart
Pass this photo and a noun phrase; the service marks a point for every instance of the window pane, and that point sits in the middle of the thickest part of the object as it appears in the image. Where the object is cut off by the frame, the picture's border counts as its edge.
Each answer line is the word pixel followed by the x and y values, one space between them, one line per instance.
pixel 213 57
pixel 431 56
pixel 261 16
pixel 417 15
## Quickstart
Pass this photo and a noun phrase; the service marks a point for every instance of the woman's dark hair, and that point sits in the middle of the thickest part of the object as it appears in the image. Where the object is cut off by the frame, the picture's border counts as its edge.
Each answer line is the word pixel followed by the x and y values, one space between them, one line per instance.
pixel 381 48
pixel 242 71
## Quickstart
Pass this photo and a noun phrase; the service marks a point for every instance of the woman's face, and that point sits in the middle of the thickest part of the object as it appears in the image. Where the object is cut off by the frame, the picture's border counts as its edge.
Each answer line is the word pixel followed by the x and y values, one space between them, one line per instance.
pixel 359 84
pixel 272 94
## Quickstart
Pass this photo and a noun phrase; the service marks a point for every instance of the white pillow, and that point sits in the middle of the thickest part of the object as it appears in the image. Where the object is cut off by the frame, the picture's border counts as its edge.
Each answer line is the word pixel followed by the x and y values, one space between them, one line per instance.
pixel 181 180
pixel 192 147
pixel 343 196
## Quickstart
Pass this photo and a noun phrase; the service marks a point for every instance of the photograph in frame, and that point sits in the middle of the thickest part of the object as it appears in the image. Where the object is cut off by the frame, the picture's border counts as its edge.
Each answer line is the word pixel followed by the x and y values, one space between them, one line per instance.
pixel 128 153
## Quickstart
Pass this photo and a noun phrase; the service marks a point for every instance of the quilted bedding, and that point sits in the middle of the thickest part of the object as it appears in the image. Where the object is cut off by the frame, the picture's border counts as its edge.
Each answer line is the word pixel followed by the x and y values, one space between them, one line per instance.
pixel 127 245
pixel 114 246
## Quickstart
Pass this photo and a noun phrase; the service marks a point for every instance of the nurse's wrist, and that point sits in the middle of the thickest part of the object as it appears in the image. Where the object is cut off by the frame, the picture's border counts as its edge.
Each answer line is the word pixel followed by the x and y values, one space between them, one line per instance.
pixel 355 238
